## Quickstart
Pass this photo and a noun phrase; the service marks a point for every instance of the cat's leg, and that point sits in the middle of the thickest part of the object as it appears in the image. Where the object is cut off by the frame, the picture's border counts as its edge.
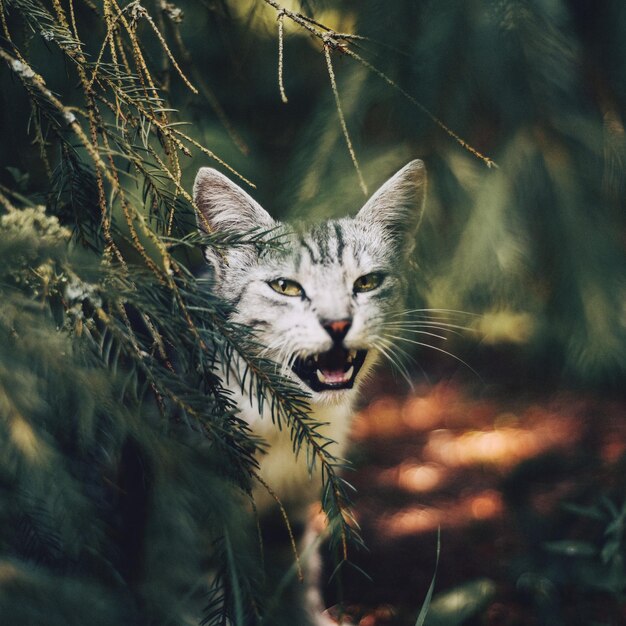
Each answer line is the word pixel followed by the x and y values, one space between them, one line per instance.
pixel 313 570
pixel 290 599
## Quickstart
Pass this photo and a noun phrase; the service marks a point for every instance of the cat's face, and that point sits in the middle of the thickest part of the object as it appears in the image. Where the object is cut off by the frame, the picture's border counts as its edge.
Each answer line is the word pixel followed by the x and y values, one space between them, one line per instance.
pixel 320 305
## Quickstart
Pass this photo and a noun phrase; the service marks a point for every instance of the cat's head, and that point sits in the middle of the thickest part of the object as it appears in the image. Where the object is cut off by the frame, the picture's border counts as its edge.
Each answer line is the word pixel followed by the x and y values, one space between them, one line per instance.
pixel 322 304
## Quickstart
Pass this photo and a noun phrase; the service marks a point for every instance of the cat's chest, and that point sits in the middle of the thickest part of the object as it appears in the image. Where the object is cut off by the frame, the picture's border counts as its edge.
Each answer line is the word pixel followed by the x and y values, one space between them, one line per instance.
pixel 288 475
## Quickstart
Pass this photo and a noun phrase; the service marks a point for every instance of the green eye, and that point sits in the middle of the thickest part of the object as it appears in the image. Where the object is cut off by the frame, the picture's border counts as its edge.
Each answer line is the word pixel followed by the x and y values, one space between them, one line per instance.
pixel 368 282
pixel 286 287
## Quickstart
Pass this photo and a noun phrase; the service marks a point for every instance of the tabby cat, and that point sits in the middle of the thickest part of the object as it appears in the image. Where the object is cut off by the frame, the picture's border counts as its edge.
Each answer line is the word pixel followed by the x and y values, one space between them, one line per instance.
pixel 320 305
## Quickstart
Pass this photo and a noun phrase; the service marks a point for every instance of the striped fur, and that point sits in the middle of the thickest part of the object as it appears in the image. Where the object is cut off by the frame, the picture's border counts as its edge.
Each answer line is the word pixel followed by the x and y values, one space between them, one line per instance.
pixel 325 259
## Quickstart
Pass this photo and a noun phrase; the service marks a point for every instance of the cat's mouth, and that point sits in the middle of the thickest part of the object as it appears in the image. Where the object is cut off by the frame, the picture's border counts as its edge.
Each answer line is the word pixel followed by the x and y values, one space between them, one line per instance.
pixel 335 369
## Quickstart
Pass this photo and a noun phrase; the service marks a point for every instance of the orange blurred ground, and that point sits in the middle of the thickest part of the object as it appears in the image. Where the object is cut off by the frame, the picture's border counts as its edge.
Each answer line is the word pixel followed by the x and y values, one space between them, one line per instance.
pixel 493 472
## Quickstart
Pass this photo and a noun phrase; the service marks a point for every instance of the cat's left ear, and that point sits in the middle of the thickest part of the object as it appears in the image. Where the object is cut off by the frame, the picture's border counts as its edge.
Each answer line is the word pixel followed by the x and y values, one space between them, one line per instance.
pixel 398 205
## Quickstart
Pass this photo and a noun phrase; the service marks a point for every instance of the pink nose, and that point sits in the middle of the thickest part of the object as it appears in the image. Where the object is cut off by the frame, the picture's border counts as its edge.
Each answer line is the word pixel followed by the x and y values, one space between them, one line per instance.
pixel 337 329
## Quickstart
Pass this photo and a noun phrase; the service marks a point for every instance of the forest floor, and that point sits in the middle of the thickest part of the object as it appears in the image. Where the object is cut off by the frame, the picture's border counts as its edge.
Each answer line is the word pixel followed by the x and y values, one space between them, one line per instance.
pixel 526 489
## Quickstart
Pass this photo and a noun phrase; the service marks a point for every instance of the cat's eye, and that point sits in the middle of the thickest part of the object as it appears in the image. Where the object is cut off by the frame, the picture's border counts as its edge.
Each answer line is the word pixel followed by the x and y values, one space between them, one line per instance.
pixel 368 282
pixel 286 287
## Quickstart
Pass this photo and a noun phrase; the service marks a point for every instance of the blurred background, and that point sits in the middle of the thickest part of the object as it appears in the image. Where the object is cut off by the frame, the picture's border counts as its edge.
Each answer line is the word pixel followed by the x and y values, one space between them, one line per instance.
pixel 534 246
pixel 511 438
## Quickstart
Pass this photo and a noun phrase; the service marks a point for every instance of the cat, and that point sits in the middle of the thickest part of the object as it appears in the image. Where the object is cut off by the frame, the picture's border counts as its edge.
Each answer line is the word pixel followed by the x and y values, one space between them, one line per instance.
pixel 319 305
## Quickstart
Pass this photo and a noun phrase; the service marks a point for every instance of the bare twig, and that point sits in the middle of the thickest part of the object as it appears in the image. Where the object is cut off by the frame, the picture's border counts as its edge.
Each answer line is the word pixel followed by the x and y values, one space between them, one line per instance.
pixel 7 204
pixel 342 119
pixel 489 162
pixel 342 42
pixel 285 517
pixel 141 11
pixel 281 37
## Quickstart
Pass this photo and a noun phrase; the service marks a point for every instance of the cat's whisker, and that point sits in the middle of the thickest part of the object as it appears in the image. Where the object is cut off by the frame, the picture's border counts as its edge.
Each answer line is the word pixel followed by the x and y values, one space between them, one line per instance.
pixel 287 357
pixel 384 346
pixel 445 332
pixel 427 324
pixel 437 349
pixel 421 332
pixel 403 355
pixel 268 350
pixel 427 318
pixel 278 351
pixel 291 360
pixel 408 357
pixel 434 313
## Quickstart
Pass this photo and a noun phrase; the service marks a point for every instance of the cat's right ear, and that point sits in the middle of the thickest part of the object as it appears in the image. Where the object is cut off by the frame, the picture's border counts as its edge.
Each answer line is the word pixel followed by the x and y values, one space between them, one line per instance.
pixel 223 206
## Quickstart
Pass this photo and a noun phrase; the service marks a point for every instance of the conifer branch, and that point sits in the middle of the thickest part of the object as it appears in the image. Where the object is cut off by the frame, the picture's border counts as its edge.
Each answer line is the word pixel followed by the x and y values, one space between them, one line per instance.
pixel 199 78
pixel 145 305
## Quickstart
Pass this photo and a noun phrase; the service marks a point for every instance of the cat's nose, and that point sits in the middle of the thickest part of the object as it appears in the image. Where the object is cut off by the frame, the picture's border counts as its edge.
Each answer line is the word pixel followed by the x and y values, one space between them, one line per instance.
pixel 337 329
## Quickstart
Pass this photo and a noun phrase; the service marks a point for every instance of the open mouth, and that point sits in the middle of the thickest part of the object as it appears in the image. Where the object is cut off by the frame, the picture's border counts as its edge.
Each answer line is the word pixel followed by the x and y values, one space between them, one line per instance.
pixel 335 369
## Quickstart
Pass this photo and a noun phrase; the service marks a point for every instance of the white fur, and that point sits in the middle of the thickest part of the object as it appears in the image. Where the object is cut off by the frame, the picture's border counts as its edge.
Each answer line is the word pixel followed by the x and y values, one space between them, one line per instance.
pixel 325 261
pixel 378 239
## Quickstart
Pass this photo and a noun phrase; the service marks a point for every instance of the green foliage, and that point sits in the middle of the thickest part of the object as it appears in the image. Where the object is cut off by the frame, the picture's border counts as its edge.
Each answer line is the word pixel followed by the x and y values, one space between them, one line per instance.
pixel 109 353
pixel 109 340
pixel 578 572
pixel 421 618
pixel 99 511
pixel 597 564
pixel 456 606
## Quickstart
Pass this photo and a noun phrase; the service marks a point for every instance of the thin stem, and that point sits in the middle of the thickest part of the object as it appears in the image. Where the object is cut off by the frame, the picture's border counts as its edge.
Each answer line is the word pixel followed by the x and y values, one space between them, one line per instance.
pixel 285 517
pixel 166 49
pixel 7 204
pixel 342 41
pixel 342 119
pixel 489 162
pixel 281 37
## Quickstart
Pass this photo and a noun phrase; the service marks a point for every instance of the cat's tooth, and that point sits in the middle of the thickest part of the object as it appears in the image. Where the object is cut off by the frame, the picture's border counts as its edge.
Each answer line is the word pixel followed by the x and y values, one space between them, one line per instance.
pixel 316 357
pixel 351 356
pixel 348 374
pixel 320 376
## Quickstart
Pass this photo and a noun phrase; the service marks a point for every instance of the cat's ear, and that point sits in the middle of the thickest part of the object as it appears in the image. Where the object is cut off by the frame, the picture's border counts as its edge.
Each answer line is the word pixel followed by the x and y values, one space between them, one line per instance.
pixel 398 205
pixel 224 206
